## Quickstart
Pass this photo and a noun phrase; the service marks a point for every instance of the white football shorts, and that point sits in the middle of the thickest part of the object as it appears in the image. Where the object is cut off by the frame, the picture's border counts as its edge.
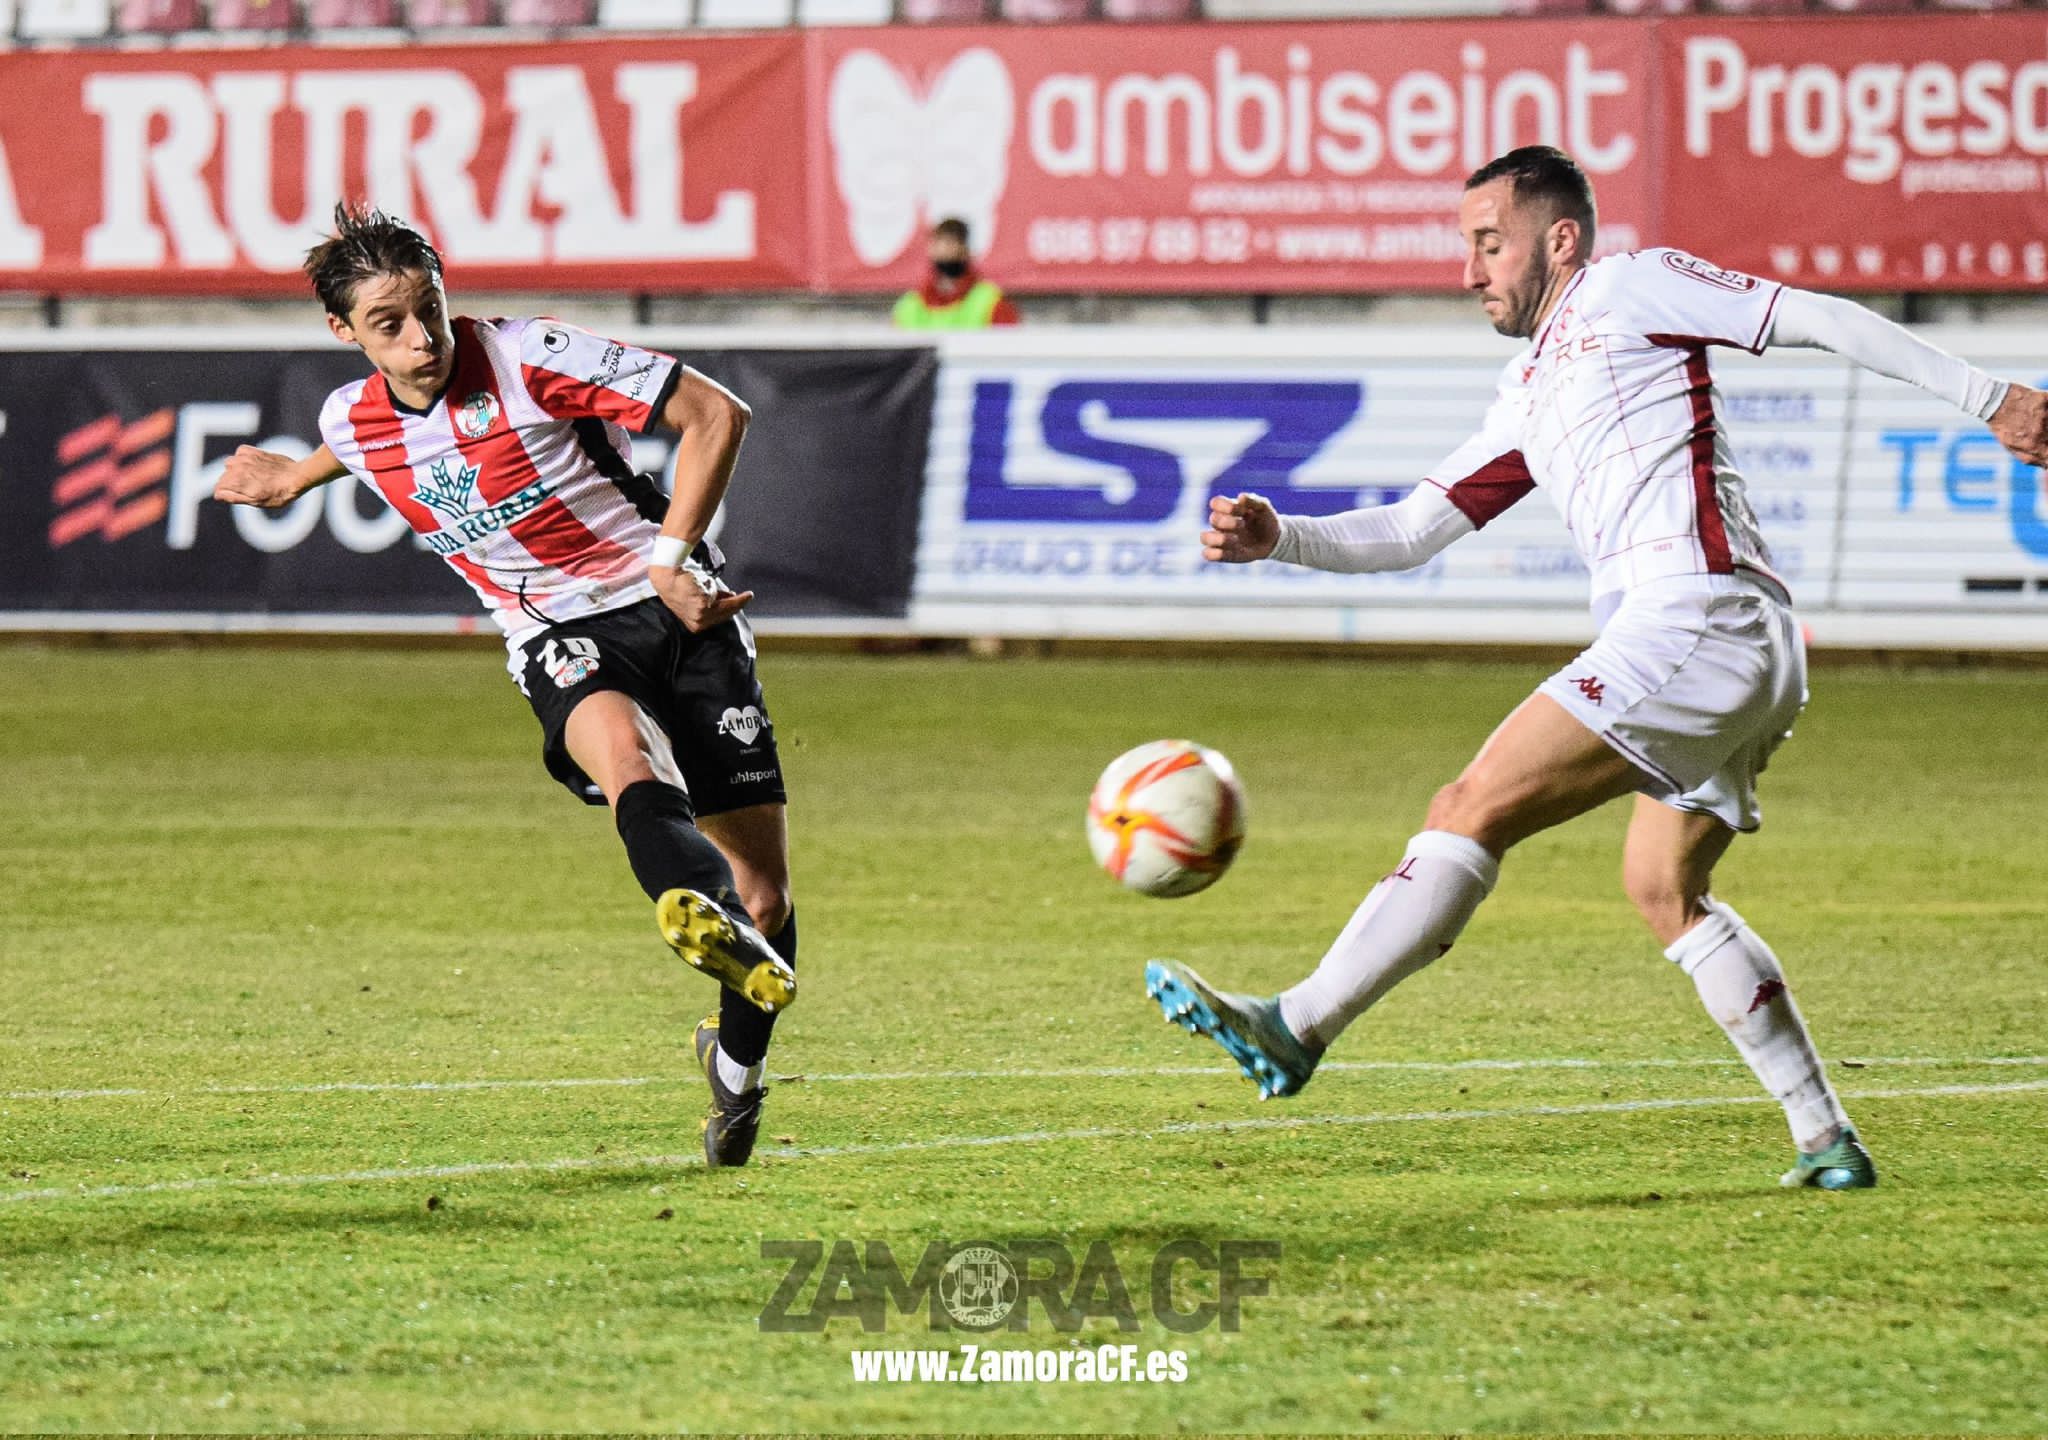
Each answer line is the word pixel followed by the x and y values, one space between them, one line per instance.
pixel 1695 680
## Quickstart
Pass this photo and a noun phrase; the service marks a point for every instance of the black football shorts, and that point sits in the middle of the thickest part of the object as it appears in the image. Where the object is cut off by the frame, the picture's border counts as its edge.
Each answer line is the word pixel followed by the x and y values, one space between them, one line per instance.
pixel 700 688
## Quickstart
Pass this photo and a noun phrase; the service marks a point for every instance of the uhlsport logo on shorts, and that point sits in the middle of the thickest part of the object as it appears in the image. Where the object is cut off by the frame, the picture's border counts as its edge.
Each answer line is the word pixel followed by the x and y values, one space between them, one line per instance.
pixel 475 416
pixel 743 725
pixel 569 660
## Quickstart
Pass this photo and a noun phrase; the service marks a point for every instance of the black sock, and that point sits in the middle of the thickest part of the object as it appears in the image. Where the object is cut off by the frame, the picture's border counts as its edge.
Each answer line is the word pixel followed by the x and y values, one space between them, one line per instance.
pixel 743 1031
pixel 666 849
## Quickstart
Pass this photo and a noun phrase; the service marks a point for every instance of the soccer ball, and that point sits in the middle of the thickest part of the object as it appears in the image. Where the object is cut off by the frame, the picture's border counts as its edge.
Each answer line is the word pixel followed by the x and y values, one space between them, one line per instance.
pixel 1167 818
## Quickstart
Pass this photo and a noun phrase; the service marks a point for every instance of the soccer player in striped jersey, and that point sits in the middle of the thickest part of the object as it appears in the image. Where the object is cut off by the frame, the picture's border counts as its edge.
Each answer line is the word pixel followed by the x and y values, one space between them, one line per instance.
pixel 1698 671
pixel 504 444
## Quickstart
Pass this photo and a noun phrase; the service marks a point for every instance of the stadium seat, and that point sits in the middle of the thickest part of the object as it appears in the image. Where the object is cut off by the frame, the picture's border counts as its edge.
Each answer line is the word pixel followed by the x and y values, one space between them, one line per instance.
pixel 1151 10
pixel 644 14
pixel 551 14
pixel 157 17
pixel 253 15
pixel 1973 4
pixel 944 12
pixel 1546 7
pixel 744 14
pixel 351 14
pixel 1867 7
pixel 1047 10
pixel 844 12
pixel 1760 7
pixel 64 19
pixel 448 14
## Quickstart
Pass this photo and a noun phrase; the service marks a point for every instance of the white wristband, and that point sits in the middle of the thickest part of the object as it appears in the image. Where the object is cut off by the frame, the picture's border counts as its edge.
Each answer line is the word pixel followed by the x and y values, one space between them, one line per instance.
pixel 668 551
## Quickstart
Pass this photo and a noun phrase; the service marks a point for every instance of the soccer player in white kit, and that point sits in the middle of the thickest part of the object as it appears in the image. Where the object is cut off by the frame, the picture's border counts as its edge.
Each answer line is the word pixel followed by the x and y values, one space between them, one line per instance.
pixel 1699 669
pixel 504 444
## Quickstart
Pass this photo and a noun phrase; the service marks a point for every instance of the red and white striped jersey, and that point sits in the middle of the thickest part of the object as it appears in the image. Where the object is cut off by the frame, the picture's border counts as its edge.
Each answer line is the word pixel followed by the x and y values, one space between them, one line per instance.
pixel 518 475
pixel 1611 410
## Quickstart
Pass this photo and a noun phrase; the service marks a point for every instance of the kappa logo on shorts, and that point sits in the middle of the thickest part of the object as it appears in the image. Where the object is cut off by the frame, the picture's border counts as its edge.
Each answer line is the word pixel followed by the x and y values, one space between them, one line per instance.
pixel 569 660
pixel 477 414
pixel 743 725
pixel 1591 688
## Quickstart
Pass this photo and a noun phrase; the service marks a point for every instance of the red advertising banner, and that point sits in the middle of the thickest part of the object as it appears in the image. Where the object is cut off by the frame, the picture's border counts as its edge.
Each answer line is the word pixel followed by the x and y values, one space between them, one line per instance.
pixel 1908 152
pixel 628 166
pixel 1902 153
pixel 1209 157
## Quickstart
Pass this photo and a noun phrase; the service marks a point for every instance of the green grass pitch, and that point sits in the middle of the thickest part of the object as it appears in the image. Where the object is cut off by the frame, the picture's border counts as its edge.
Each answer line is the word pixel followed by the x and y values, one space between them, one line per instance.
pixel 234 883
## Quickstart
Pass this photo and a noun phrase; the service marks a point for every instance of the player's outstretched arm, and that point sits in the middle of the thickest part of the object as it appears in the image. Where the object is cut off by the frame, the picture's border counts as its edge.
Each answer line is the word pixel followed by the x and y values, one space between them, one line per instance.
pixel 712 422
pixel 1383 537
pixel 2017 414
pixel 271 480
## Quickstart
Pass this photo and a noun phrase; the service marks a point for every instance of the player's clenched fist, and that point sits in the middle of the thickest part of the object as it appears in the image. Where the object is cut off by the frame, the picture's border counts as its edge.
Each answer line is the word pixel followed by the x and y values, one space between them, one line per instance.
pixel 1241 529
pixel 260 477
pixel 699 599
pixel 2021 423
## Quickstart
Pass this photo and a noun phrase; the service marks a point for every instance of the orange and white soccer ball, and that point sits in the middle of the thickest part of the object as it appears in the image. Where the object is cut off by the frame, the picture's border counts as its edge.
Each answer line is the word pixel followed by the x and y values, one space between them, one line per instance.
pixel 1167 818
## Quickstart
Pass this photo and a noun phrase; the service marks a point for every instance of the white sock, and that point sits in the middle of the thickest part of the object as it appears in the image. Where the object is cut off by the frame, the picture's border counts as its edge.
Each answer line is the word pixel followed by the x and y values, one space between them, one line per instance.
pixel 1411 917
pixel 737 1077
pixel 1743 988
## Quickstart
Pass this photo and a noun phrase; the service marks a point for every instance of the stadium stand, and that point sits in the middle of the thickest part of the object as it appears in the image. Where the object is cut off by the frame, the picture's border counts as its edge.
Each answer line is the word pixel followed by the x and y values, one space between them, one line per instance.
pixel 157 17
pixel 351 14
pixel 447 14
pixel 71 22
pixel 64 19
pixel 744 14
pixel 248 16
pixel 843 12
pixel 549 14
pixel 943 12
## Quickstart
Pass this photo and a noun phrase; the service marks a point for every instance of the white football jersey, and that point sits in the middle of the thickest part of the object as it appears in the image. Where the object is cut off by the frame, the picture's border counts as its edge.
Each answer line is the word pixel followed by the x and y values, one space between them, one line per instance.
pixel 518 475
pixel 1612 412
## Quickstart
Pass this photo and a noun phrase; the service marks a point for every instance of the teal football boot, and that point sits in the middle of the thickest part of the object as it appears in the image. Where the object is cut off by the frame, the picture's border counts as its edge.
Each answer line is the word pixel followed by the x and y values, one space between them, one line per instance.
pixel 1248 1026
pixel 1844 1165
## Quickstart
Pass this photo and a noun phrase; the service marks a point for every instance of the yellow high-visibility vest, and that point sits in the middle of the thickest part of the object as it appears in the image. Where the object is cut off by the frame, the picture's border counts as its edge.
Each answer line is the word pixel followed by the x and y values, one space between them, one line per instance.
pixel 972 311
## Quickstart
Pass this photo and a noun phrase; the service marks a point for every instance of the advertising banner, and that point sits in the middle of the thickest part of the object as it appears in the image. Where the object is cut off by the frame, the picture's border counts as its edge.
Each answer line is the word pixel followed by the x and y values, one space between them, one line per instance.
pixel 625 166
pixel 1209 157
pixel 108 460
pixel 1893 153
pixel 1067 488
pixel 1902 152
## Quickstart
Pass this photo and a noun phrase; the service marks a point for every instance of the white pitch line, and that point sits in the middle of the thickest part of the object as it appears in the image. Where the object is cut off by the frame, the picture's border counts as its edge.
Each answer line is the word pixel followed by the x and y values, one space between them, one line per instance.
pixel 966 1142
pixel 873 1077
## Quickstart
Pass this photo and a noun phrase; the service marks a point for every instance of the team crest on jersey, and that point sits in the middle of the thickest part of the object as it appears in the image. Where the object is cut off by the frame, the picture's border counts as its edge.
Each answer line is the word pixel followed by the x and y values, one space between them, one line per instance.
pixel 1699 269
pixel 743 725
pixel 569 660
pixel 445 491
pixel 475 416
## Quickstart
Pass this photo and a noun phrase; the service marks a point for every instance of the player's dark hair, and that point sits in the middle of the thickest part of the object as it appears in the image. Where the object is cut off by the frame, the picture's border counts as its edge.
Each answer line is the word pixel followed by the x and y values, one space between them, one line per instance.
pixel 365 243
pixel 951 228
pixel 1544 175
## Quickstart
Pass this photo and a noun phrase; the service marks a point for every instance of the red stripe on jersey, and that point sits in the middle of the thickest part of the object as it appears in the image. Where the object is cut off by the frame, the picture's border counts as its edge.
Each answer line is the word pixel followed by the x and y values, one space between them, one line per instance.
pixel 476 575
pixel 551 533
pixel 567 398
pixel 1706 496
pixel 380 437
pixel 1492 488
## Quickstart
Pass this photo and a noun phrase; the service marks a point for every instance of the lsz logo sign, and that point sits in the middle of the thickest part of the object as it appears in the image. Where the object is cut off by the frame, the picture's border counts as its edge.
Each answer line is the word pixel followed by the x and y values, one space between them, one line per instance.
pixel 111 475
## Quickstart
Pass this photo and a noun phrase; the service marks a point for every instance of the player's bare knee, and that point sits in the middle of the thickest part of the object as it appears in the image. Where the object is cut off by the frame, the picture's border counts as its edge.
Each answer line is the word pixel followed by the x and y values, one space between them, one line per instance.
pixel 1463 808
pixel 1668 901
pixel 767 902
